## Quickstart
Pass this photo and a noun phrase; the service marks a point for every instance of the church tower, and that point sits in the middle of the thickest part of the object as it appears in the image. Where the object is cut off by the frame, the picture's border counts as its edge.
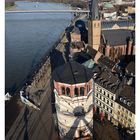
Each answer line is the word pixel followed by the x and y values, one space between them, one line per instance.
pixel 94 26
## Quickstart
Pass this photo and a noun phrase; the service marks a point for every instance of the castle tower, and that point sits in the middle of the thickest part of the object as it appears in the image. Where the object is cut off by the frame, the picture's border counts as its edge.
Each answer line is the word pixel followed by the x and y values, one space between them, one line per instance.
pixel 73 89
pixel 94 26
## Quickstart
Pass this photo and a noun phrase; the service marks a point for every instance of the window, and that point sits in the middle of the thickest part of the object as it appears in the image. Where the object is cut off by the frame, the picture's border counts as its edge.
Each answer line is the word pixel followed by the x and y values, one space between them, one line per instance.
pixel 107 101
pixel 112 97
pixel 104 99
pixel 110 111
pixel 119 112
pixel 111 104
pixel 104 92
pixel 130 114
pixel 103 106
pixel 129 120
pixel 82 89
pixel 119 106
pixel 129 125
pixel 76 91
pixel 108 95
pixel 68 91
pixel 100 90
pixel 122 109
pixel 63 90
pixel 126 117
pixel 97 88
pixel 126 111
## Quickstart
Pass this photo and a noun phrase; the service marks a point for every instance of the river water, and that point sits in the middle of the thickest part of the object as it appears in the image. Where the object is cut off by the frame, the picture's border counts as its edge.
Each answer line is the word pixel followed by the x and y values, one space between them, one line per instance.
pixel 28 36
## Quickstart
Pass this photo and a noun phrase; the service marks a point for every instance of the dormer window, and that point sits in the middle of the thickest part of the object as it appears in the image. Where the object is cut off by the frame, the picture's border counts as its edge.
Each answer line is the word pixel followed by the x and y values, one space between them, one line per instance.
pixel 124 101
pixel 129 103
pixel 121 99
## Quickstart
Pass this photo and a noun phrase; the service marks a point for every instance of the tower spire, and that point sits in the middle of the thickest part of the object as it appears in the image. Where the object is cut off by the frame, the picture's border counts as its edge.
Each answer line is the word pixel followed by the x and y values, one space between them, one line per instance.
pixel 94 10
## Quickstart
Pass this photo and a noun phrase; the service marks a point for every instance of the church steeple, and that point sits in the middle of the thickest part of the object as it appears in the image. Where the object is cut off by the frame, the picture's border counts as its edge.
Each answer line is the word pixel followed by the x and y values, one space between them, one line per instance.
pixel 94 25
pixel 94 11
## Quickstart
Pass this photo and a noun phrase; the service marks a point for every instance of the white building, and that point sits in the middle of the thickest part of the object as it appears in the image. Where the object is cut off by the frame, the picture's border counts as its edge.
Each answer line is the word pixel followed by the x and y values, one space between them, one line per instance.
pixel 73 89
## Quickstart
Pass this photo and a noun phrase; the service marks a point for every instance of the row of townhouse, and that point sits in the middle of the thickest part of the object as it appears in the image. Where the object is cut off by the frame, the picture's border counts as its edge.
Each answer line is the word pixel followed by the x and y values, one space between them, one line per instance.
pixel 115 100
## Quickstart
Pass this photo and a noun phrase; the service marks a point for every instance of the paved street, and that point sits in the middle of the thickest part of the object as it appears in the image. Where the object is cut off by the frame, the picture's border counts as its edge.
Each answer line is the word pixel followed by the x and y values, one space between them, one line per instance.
pixel 35 125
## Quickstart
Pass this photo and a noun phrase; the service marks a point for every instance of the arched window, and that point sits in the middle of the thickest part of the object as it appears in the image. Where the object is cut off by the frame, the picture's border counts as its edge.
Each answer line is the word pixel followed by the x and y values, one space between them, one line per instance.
pixel 68 91
pixel 76 91
pixel 63 90
pixel 82 89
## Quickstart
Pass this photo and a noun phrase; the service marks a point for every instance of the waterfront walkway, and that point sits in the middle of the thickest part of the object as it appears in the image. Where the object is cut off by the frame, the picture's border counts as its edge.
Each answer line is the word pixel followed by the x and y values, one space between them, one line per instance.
pixel 34 125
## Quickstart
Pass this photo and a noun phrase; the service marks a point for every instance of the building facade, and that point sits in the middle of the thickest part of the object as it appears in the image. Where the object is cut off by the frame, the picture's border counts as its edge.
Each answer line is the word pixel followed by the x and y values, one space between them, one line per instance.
pixel 115 100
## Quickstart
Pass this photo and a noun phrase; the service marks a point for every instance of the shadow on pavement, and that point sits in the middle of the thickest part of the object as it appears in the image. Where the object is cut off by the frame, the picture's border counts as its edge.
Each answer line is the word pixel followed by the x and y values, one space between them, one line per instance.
pixel 26 123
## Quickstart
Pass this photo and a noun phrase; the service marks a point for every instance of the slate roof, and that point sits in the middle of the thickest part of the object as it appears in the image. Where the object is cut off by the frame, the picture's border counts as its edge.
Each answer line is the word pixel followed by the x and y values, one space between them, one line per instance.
pixel 131 68
pixel 92 52
pixel 81 57
pixel 72 73
pixel 108 81
pixel 105 24
pixel 79 44
pixel 121 23
pixel 128 93
pixel 106 62
pixel 116 37
pixel 94 10
pixel 76 30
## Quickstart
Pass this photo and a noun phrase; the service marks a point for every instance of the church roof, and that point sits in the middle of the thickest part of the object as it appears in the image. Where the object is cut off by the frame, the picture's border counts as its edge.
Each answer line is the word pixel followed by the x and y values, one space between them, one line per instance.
pixel 116 37
pixel 121 23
